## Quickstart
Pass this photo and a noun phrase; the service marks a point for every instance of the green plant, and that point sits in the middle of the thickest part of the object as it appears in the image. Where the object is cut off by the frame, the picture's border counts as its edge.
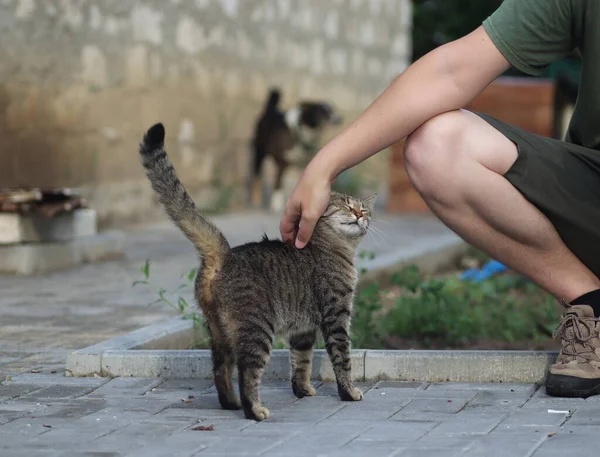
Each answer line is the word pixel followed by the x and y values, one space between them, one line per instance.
pixel 366 328
pixel 180 304
pixel 452 312
pixel 365 331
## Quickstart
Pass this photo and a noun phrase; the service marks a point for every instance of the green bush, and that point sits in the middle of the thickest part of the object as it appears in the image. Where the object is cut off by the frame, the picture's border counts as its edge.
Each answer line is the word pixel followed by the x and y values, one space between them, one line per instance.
pixel 454 312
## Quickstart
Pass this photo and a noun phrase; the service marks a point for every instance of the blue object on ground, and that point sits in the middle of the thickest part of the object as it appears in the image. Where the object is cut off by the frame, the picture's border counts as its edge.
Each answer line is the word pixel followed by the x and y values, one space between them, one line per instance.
pixel 488 270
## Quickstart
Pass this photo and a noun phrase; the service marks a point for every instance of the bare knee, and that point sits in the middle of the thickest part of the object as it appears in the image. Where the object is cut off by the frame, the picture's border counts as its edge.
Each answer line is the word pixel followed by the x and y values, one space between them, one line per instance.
pixel 433 151
pixel 447 150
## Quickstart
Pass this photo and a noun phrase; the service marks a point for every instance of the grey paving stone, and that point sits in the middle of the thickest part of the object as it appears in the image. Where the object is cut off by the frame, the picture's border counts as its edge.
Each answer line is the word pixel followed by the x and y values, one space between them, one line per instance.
pixel 300 417
pixel 244 445
pixel 501 399
pixel 586 415
pixel 566 444
pixel 433 446
pixel 541 400
pixel 365 409
pixel 136 403
pixel 175 414
pixel 422 416
pixel 108 453
pixel 379 448
pixel 194 385
pixel 519 421
pixel 12 390
pixel 383 394
pixel 143 430
pixel 468 424
pixel 490 386
pixel 23 407
pixel 73 409
pixel 111 417
pixel 45 379
pixel 25 452
pixel 312 444
pixel 401 385
pixel 308 403
pixel 222 425
pixel 72 437
pixel 126 387
pixel 578 429
pixel 58 392
pixel 178 447
pixel 433 452
pixel 397 430
pixel 352 450
pixel 514 445
pixel 442 405
pixel 173 395
pixel 23 429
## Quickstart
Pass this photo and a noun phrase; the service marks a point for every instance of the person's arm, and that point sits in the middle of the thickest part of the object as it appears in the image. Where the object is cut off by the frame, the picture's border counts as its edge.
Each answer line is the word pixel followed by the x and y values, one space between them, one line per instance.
pixel 445 79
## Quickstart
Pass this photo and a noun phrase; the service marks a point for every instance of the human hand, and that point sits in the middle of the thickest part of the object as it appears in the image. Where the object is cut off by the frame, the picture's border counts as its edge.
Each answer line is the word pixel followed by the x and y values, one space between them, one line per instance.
pixel 307 204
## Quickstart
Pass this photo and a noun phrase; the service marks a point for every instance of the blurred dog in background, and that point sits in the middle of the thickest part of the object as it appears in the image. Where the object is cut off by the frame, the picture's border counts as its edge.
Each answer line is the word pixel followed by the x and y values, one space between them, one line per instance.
pixel 290 138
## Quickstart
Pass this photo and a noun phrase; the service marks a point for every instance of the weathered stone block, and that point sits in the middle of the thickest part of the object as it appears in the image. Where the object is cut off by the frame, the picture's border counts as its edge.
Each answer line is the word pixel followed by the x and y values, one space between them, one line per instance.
pixel 36 258
pixel 18 228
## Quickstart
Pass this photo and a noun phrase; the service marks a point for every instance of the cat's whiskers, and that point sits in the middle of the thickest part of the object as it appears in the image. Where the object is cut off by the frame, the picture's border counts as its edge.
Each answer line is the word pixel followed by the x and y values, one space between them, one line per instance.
pixel 371 234
pixel 383 236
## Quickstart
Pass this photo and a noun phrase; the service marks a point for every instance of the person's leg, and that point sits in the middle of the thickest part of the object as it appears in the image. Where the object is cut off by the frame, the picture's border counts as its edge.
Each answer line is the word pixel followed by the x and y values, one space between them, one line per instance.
pixel 457 161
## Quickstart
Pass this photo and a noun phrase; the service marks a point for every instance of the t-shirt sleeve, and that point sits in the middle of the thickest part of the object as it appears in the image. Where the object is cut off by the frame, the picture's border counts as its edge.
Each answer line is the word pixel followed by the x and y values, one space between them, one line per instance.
pixel 531 34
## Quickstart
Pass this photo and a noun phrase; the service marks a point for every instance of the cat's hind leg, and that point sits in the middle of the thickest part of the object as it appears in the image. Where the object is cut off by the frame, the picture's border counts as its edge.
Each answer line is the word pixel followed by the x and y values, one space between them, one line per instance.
pixel 254 344
pixel 223 363
pixel 301 352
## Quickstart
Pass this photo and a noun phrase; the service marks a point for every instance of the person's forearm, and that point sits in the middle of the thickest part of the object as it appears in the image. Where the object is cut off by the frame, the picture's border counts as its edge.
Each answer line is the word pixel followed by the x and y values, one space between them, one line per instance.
pixel 433 85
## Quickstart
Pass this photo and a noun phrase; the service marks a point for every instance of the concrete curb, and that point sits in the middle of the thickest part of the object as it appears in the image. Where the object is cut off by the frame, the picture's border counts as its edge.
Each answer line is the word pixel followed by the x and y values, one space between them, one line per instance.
pixel 156 352
pixel 173 334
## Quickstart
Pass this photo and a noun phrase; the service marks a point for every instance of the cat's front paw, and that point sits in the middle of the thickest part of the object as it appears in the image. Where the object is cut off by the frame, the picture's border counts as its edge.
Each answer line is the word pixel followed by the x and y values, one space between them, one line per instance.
pixel 353 394
pixel 304 391
pixel 257 413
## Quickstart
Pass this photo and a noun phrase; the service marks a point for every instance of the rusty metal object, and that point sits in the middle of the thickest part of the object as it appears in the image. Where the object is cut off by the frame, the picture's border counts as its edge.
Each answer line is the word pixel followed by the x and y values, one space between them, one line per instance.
pixel 45 202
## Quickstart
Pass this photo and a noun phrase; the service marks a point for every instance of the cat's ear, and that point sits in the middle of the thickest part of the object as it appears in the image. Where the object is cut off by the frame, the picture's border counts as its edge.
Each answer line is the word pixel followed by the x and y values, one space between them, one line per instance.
pixel 369 202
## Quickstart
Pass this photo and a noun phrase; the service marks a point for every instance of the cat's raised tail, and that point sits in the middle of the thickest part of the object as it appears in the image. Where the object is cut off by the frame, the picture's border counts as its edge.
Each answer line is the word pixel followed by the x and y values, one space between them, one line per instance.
pixel 206 237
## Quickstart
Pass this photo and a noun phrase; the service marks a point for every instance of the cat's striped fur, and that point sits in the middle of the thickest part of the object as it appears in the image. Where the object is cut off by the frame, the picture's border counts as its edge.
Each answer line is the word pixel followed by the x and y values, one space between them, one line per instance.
pixel 252 292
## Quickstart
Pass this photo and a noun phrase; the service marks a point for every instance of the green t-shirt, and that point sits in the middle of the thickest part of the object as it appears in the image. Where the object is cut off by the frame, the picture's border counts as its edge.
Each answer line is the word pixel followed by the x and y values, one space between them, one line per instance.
pixel 531 34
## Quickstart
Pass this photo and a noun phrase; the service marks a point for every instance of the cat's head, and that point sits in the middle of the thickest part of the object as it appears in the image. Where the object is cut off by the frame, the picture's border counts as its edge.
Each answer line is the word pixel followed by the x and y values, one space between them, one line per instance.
pixel 348 216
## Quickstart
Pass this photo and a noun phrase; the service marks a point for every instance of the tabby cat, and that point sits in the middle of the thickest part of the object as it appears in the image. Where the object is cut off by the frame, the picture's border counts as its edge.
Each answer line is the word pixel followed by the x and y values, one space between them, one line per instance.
pixel 250 293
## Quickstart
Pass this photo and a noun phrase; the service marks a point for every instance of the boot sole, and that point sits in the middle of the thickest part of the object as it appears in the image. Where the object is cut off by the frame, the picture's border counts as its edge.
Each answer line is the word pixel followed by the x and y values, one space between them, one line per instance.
pixel 558 385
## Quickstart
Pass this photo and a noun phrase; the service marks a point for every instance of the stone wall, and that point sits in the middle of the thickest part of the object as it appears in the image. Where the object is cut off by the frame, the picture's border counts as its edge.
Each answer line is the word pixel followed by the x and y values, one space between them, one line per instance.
pixel 81 80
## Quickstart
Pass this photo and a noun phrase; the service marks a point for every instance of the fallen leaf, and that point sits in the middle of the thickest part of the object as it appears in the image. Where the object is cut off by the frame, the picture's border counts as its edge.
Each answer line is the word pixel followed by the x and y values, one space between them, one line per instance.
pixel 47 426
pixel 449 401
pixel 203 428
pixel 35 371
pixel 551 434
pixel 186 400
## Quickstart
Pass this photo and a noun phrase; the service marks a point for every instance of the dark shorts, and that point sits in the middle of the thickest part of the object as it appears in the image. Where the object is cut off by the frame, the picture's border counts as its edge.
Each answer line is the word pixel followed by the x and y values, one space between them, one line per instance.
pixel 563 181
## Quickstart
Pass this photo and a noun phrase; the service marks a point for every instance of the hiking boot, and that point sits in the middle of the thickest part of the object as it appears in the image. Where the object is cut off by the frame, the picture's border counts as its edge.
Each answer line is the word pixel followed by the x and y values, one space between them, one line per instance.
pixel 576 372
